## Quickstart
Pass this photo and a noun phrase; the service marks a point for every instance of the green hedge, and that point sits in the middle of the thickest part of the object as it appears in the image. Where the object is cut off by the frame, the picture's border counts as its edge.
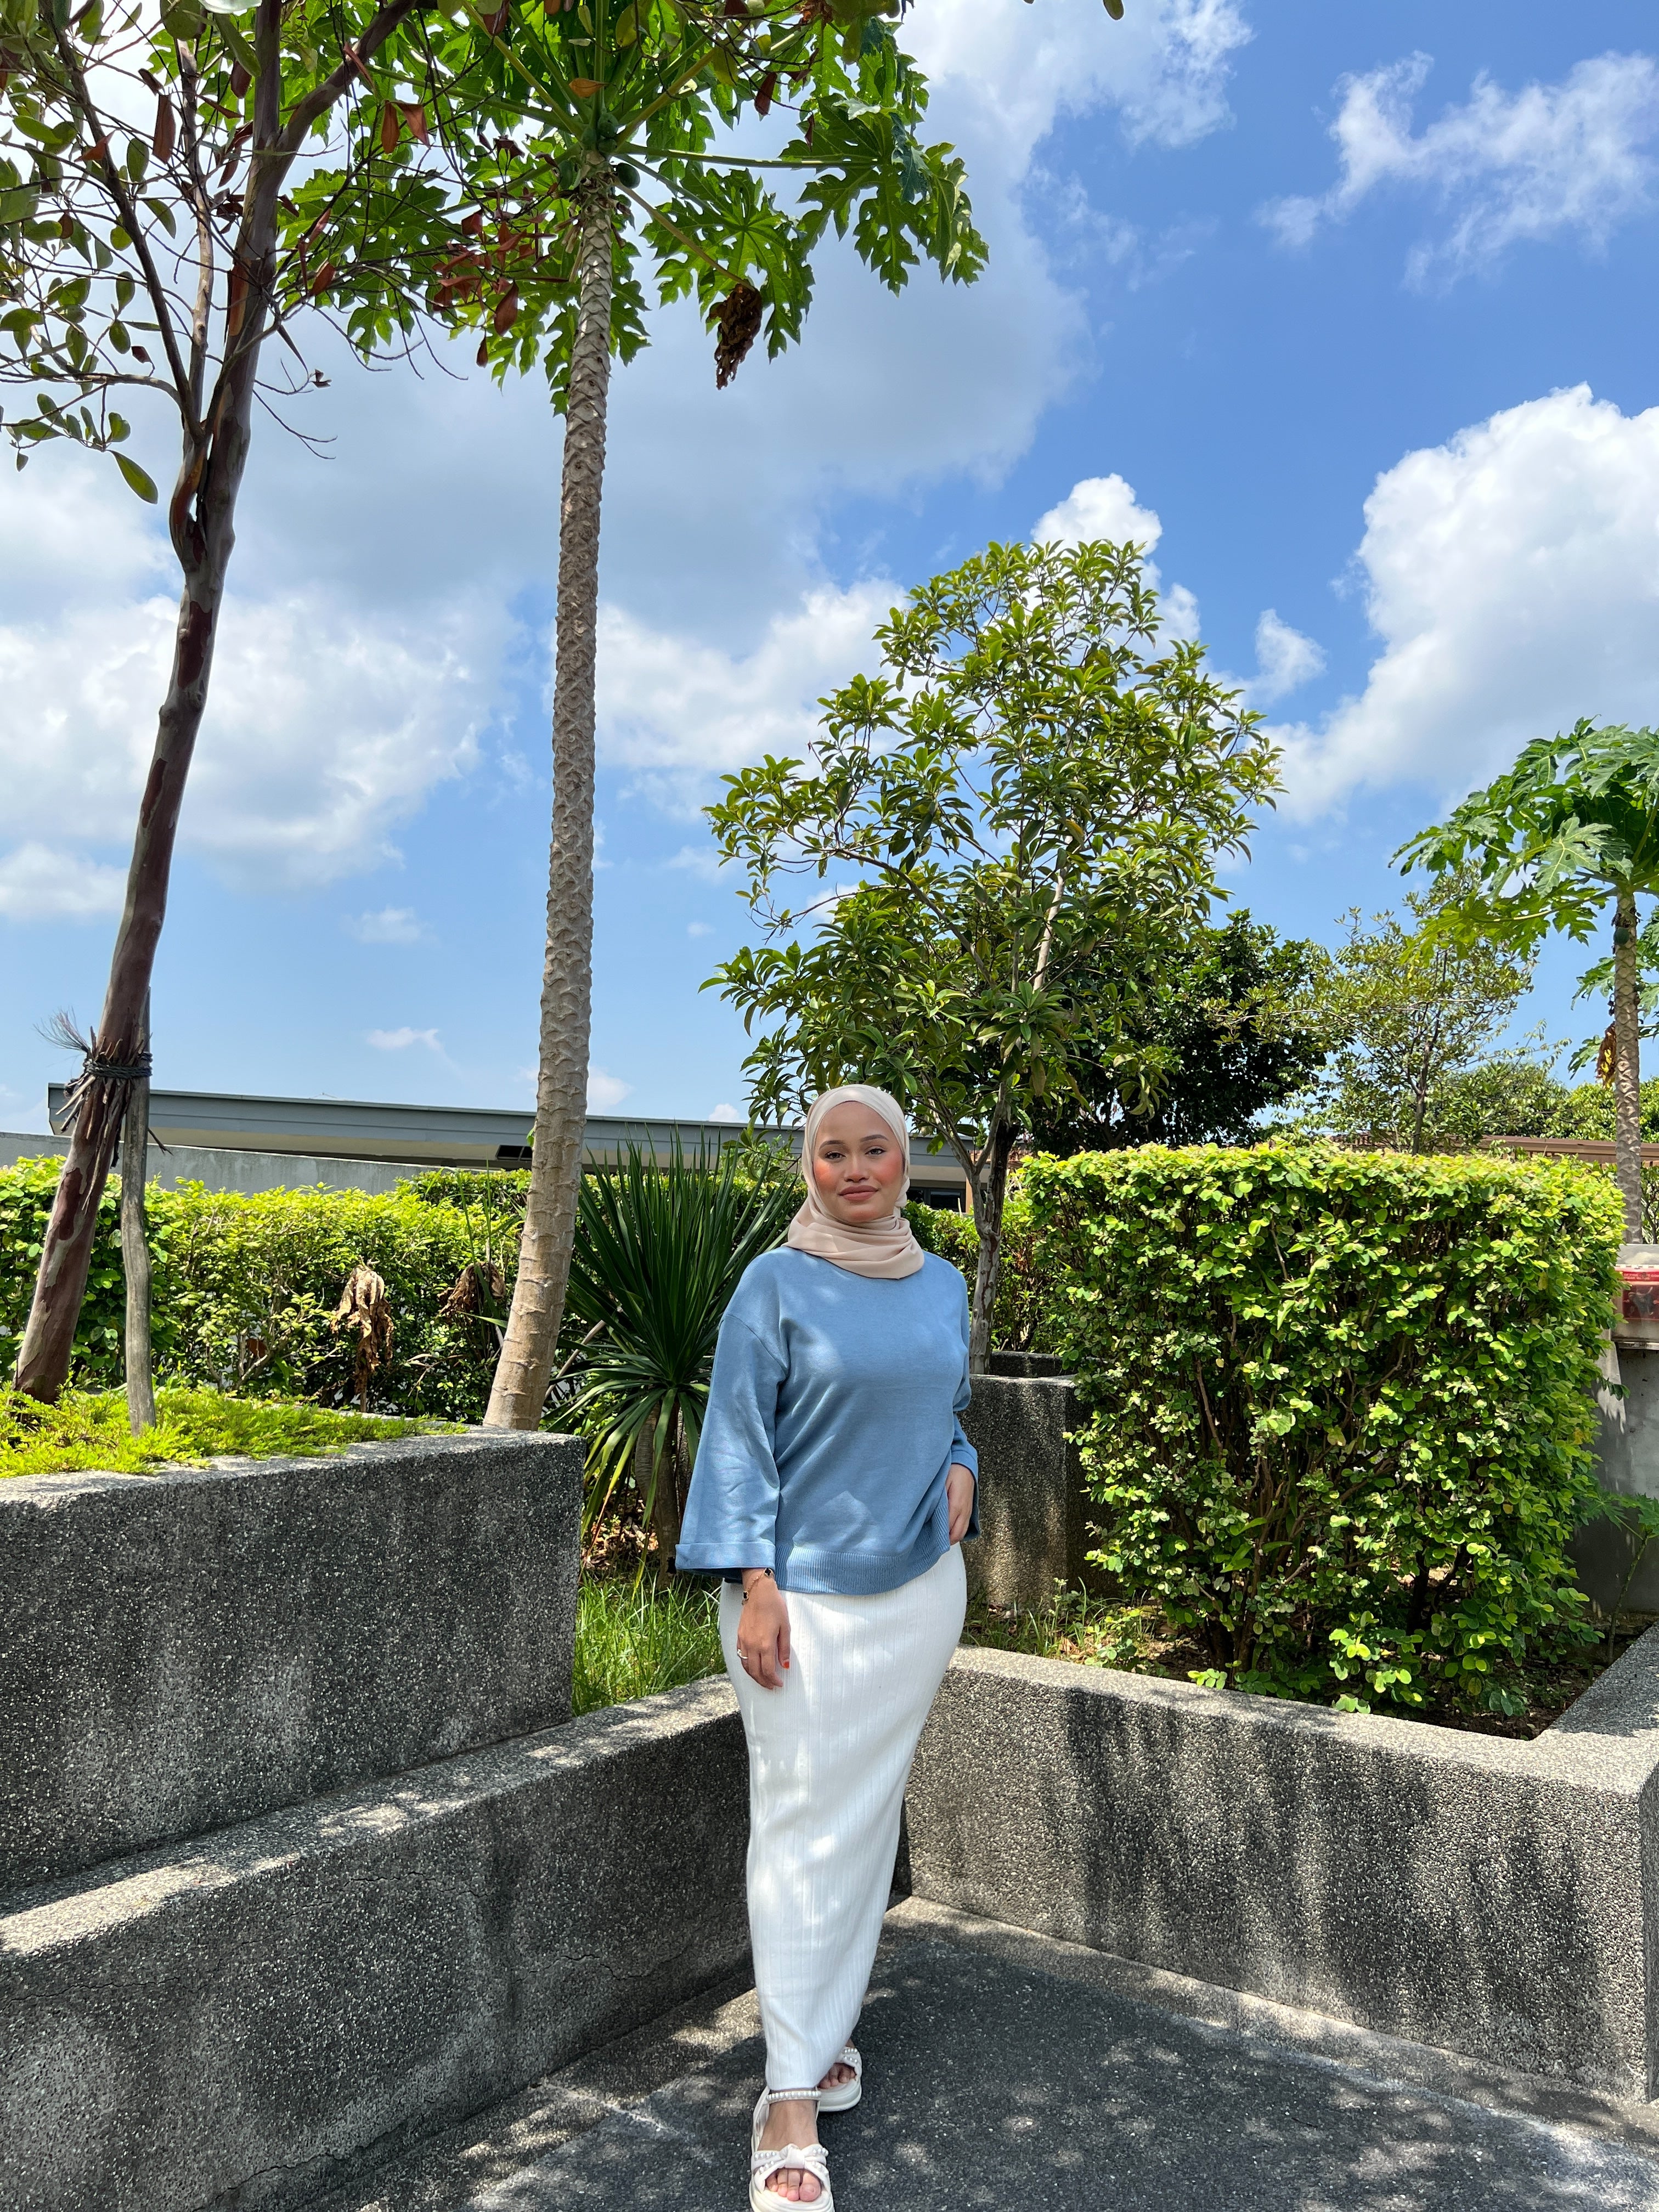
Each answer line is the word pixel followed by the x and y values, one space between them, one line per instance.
pixel 1023 1319
pixel 245 1287
pixel 1339 1404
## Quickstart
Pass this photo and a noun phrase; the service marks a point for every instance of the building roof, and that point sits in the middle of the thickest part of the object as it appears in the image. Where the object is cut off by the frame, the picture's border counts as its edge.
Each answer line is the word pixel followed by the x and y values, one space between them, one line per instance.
pixel 434 1136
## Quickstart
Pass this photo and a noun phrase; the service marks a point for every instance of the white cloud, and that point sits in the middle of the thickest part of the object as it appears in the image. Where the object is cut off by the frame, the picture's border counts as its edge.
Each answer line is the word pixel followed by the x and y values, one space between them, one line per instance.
pixel 38 883
pixel 1099 506
pixel 400 1040
pixel 724 1112
pixel 700 929
pixel 678 711
pixel 605 1091
pixel 391 925
pixel 326 724
pixel 1505 167
pixel 1285 660
pixel 1513 577
pixel 366 641
pixel 1163 68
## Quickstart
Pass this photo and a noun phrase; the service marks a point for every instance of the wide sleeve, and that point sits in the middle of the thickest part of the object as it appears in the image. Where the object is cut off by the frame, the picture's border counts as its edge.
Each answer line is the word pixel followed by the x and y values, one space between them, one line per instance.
pixel 962 1452
pixel 731 1513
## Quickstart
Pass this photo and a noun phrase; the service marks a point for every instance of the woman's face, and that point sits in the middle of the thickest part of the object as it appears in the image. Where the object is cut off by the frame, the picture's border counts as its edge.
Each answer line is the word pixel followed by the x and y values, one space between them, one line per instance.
pixel 858 1165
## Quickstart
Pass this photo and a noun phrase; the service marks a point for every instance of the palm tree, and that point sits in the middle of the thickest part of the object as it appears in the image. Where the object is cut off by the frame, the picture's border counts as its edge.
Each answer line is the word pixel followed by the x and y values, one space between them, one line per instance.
pixel 585 135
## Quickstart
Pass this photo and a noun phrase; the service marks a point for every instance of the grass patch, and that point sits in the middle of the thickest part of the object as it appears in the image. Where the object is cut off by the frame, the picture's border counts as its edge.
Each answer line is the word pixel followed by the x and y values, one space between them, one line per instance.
pixel 87 1431
pixel 634 1638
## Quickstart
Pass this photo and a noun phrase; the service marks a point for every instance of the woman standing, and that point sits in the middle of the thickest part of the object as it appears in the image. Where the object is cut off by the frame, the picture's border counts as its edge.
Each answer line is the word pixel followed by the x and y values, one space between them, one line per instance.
pixel 833 1485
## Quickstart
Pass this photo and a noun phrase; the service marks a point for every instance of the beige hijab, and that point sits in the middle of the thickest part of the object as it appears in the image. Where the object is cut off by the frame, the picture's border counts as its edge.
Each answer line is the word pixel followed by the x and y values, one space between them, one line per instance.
pixel 884 1248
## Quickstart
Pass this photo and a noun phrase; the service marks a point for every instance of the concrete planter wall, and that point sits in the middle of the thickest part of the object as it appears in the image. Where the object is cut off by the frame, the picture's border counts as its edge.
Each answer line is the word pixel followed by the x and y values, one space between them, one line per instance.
pixel 1494 1897
pixel 233 2020
pixel 1031 1510
pixel 190 1648
pixel 293 1861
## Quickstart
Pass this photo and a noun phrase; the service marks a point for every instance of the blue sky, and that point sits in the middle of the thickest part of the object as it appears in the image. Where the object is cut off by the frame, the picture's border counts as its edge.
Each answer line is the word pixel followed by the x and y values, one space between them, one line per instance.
pixel 1346 304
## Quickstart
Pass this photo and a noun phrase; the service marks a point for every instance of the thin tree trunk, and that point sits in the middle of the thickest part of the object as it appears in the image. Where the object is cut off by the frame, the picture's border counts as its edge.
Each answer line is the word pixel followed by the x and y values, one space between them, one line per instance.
pixel 519 1388
pixel 1627 1065
pixel 990 1189
pixel 119 1039
pixel 201 518
pixel 135 1251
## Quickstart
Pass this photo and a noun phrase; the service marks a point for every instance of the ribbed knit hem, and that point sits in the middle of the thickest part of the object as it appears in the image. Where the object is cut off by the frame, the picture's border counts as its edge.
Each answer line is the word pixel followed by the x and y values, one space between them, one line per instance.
pixel 825 1573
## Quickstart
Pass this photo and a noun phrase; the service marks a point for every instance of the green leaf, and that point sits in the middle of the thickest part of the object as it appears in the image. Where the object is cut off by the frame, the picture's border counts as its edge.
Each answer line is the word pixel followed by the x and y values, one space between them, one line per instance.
pixel 137 479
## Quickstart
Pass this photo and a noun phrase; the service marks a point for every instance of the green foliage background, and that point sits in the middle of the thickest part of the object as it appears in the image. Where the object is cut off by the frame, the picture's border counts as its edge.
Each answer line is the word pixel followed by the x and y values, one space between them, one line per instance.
pixel 1024 1317
pixel 1339 1404
pixel 244 1287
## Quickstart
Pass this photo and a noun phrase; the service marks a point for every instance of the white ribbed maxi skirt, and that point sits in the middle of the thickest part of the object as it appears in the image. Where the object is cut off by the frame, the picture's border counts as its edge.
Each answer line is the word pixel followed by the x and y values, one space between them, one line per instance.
pixel 829 1756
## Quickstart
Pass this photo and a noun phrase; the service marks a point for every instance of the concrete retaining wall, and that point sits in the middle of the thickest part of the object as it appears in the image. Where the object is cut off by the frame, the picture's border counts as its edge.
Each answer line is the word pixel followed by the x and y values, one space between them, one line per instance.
pixel 233 2020
pixel 1495 1897
pixel 191 1648
pixel 1032 1531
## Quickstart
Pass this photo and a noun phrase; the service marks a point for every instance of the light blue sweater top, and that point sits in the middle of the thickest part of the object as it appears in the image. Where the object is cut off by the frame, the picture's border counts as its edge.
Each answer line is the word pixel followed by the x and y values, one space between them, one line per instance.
pixel 831 1427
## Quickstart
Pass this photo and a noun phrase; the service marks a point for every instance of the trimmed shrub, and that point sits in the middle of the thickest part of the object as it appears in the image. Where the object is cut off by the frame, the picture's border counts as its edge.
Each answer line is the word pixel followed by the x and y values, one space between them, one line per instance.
pixel 26 1196
pixel 246 1288
pixel 1339 1404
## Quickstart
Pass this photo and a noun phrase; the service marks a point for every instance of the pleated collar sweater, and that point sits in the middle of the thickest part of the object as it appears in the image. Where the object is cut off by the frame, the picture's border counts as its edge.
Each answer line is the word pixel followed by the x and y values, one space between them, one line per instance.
pixel 832 1424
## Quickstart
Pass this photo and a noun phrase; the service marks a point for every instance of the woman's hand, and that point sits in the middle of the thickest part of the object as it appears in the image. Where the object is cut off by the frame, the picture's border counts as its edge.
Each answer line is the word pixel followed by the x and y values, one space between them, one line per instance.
pixel 763 1630
pixel 959 1495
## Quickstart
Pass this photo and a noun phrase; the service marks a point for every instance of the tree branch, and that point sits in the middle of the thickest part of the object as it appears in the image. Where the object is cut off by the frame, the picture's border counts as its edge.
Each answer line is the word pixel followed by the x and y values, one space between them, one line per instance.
pixel 116 188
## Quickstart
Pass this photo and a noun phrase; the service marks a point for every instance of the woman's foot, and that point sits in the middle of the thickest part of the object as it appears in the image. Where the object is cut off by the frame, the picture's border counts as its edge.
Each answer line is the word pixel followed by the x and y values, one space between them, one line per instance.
pixel 836 2076
pixel 794 2122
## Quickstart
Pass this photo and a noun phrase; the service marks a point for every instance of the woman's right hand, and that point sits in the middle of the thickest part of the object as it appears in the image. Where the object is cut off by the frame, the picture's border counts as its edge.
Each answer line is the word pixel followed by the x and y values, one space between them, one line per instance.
pixel 763 1630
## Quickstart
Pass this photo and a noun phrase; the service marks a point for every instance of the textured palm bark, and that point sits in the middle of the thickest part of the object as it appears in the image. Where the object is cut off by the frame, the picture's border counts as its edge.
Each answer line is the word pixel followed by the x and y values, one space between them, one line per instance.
pixel 1627 1066
pixel 519 1389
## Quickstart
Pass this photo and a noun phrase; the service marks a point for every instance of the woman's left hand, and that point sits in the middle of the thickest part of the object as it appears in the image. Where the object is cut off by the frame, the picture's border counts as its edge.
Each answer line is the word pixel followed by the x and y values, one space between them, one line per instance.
pixel 959 1496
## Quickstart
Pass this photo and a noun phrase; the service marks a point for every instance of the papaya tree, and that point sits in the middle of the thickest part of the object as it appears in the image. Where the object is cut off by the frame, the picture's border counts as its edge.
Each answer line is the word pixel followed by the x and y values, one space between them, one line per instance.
pixel 696 150
pixel 153 261
pixel 1568 840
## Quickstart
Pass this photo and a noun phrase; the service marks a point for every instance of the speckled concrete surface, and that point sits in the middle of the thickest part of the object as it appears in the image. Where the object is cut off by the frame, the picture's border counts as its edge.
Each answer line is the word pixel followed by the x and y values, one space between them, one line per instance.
pixel 1488 1896
pixel 995 2084
pixel 199 1646
pixel 233 2020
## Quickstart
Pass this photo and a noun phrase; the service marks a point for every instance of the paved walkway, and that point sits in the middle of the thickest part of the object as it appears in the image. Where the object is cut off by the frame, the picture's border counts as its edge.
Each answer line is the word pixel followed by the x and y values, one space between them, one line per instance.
pixel 1018 2076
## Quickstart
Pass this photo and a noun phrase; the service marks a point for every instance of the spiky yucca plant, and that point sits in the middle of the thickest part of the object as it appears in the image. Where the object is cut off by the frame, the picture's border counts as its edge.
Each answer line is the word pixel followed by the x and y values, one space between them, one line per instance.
pixel 658 1251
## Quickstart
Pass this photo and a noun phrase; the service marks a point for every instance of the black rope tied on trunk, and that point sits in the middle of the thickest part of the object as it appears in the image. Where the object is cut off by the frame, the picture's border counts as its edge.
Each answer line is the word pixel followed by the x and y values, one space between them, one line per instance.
pixel 96 1068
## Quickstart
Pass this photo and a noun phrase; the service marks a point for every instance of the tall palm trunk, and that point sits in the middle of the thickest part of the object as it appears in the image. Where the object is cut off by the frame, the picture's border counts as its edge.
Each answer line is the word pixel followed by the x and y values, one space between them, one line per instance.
pixel 1627 1064
pixel 519 1388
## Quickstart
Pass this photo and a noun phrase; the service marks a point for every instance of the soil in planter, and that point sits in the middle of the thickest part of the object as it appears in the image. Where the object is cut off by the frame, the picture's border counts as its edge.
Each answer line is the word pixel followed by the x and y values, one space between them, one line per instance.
pixel 1093 1632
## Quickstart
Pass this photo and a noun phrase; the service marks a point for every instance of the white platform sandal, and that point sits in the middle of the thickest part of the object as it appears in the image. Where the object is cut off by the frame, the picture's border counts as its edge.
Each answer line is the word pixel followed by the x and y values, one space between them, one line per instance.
pixel 807 2158
pixel 843 2099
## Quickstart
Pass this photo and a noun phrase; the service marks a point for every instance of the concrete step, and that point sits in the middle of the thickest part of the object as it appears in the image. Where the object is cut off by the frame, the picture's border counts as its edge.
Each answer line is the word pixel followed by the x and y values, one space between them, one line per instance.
pixel 234 2020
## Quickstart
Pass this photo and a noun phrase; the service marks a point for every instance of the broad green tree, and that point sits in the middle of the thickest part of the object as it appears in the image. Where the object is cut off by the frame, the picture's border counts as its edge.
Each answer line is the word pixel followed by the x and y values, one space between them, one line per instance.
pixel 998 834
pixel 1246 1020
pixel 1567 840
pixel 1416 1011
pixel 161 176
pixel 702 148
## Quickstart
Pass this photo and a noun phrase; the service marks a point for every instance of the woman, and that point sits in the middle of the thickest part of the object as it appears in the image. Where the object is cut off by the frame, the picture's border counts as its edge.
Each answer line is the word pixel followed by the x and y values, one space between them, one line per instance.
pixel 833 1485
